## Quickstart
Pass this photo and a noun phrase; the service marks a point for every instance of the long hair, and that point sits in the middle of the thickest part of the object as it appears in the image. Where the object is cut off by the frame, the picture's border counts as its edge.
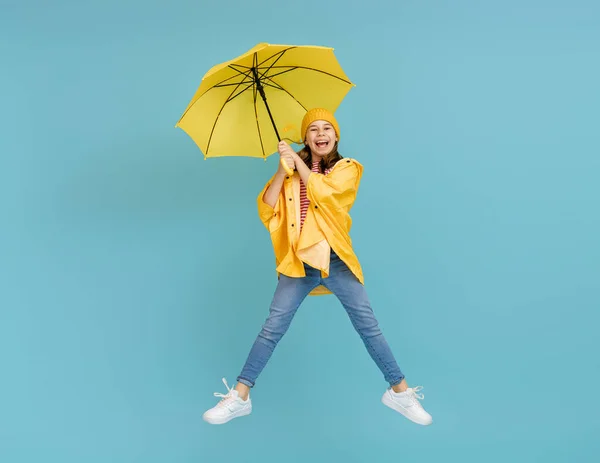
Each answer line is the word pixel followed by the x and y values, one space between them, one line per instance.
pixel 327 161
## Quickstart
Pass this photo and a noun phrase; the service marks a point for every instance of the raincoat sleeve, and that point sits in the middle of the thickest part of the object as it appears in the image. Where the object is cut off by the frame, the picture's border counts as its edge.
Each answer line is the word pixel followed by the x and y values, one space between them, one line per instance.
pixel 338 189
pixel 271 217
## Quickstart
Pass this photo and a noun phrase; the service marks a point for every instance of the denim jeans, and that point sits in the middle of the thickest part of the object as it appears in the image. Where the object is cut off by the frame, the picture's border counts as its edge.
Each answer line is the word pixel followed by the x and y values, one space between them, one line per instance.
pixel 289 295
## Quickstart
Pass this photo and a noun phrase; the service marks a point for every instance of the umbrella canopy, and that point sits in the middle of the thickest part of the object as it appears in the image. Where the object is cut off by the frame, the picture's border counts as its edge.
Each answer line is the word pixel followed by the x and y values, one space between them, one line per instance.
pixel 245 106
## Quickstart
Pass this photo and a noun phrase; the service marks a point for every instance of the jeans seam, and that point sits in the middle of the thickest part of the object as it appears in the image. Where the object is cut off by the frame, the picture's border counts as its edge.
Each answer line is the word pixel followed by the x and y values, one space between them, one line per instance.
pixel 266 342
pixel 388 371
pixel 365 339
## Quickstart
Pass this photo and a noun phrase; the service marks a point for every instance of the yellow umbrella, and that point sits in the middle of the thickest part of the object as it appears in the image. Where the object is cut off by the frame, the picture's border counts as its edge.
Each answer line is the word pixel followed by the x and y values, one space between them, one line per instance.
pixel 226 118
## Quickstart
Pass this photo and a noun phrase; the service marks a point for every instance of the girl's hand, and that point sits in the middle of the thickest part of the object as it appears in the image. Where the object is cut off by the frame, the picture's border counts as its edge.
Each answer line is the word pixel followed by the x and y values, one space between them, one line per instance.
pixel 287 154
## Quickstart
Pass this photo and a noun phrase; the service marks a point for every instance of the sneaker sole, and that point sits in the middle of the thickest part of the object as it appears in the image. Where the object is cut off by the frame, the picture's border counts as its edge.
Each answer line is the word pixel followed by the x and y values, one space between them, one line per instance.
pixel 243 412
pixel 400 409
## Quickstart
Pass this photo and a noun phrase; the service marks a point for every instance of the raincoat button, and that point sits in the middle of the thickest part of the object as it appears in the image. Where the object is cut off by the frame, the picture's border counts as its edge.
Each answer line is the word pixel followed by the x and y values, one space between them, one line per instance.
pixel 290 199
pixel 292 225
pixel 316 207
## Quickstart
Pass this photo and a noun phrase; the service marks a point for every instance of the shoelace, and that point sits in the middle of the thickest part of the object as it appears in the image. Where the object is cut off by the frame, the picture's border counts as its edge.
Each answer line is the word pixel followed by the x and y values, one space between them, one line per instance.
pixel 225 397
pixel 414 395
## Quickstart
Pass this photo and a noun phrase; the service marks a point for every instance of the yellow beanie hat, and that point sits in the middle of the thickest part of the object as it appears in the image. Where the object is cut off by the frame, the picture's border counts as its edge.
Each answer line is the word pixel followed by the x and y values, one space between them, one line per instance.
pixel 319 114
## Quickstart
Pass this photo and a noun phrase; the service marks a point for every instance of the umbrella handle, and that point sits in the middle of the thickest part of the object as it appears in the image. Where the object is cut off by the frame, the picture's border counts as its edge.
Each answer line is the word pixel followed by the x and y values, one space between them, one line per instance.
pixel 286 167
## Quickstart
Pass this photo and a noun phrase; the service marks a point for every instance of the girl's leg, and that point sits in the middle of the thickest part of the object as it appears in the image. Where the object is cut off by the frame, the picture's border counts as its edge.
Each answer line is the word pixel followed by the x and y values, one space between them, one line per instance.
pixel 353 296
pixel 288 296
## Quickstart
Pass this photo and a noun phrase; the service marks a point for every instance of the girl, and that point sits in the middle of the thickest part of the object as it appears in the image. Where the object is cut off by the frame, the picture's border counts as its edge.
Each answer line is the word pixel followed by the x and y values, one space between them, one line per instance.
pixel 307 216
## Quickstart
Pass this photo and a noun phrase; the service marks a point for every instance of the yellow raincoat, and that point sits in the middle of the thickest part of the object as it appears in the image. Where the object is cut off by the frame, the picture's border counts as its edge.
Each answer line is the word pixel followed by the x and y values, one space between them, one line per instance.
pixel 327 224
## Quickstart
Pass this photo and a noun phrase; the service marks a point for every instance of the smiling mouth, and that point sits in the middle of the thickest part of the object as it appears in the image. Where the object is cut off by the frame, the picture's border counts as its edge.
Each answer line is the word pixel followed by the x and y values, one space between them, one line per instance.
pixel 321 144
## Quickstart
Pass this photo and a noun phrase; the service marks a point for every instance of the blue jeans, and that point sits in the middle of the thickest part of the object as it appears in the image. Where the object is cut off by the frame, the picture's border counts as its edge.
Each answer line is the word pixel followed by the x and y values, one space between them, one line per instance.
pixel 289 295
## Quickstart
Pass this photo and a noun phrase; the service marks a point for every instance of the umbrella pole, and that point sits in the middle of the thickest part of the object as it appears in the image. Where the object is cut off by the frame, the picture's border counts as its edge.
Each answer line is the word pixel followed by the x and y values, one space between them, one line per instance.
pixel 261 90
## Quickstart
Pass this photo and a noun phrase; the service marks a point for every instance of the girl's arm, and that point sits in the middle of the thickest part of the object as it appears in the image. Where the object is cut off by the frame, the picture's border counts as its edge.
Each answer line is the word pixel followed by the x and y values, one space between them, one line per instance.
pixel 286 151
pixel 302 168
pixel 272 193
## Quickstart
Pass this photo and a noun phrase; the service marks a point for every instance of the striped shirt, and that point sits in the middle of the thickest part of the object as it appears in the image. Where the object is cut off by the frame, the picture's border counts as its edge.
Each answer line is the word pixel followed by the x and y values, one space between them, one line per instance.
pixel 304 202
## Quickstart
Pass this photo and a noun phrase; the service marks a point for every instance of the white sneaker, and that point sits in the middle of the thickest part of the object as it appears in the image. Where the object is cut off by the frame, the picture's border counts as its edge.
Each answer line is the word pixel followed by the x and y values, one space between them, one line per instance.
pixel 407 404
pixel 231 406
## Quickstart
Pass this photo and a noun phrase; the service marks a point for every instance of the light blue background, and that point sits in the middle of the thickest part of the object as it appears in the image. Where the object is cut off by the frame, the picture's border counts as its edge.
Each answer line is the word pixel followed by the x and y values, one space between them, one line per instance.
pixel 135 274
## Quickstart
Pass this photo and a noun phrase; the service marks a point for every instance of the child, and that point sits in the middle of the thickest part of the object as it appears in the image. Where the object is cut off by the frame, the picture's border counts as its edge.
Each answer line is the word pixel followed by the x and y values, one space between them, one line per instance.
pixel 307 216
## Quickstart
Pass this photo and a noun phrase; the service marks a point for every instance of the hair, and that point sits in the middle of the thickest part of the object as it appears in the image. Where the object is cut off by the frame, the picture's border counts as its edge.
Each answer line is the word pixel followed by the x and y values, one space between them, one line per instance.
pixel 327 161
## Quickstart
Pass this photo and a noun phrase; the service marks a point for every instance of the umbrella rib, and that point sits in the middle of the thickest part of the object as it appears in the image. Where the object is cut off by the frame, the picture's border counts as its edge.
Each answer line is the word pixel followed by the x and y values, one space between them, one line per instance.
pixel 219 115
pixel 234 84
pixel 280 87
pixel 280 53
pixel 232 96
pixel 315 70
pixel 239 66
pixel 246 80
pixel 245 74
pixel 220 84
pixel 291 68
pixel 275 84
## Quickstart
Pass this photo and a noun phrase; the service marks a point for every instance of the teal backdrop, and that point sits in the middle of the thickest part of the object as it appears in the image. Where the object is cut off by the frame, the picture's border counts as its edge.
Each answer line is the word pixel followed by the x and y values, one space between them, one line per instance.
pixel 135 274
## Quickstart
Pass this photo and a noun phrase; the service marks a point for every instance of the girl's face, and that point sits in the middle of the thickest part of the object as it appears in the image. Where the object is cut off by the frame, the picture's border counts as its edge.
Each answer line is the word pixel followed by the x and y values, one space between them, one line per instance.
pixel 321 138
